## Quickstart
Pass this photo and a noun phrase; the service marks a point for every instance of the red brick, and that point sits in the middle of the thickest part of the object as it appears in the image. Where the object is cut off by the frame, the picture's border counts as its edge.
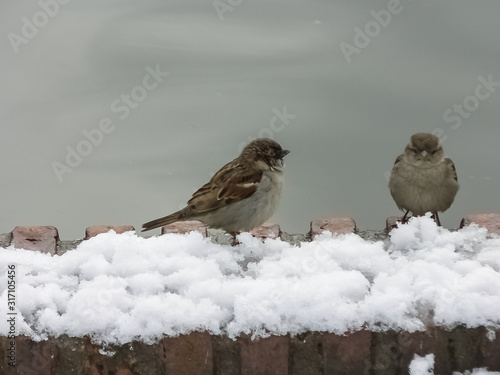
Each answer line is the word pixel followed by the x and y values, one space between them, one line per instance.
pixel 69 352
pixel 490 348
pixel 267 230
pixel 265 356
pixel 347 354
pixel 488 221
pixel 306 354
pixel 94 230
pixel 434 340
pixel 185 227
pixel 124 371
pixel 40 238
pixel 34 358
pixel 226 355
pixel 188 354
pixel 98 370
pixel 131 358
pixel 464 348
pixel 6 350
pixel 391 222
pixel 338 225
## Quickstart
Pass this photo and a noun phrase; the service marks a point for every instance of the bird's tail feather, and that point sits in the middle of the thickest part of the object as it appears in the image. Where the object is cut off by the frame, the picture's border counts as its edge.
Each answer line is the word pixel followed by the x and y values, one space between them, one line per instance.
pixel 172 218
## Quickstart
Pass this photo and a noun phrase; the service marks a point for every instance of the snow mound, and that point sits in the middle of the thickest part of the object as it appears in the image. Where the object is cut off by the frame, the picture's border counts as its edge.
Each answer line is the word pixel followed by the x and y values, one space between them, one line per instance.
pixel 425 366
pixel 119 288
pixel 422 365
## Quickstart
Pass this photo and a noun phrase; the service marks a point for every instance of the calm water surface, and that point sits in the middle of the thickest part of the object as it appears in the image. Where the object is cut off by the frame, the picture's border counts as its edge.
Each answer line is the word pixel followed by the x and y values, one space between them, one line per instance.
pixel 116 113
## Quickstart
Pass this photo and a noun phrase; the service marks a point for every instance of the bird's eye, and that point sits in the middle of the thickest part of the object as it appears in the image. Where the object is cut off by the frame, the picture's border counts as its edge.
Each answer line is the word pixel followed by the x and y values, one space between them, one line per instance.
pixel 433 152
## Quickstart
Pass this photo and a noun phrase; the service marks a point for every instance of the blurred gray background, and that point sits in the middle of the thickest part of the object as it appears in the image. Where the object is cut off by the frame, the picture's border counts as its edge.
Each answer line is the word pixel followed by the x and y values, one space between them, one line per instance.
pixel 342 84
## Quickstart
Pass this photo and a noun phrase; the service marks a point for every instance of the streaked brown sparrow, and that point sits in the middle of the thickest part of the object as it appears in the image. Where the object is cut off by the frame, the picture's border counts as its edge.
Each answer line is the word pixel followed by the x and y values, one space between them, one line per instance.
pixel 242 195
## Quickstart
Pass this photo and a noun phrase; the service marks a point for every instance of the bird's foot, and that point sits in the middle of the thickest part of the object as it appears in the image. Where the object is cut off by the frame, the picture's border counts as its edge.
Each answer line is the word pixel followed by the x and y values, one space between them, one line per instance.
pixel 435 216
pixel 234 241
pixel 405 218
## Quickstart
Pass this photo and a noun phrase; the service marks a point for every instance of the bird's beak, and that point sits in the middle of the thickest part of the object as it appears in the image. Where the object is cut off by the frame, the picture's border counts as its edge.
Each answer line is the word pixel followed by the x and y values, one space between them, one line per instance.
pixel 284 153
pixel 424 153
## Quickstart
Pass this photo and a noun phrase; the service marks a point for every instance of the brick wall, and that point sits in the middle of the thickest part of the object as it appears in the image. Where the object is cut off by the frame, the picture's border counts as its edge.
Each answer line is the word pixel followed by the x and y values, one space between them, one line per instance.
pixel 361 352
pixel 313 353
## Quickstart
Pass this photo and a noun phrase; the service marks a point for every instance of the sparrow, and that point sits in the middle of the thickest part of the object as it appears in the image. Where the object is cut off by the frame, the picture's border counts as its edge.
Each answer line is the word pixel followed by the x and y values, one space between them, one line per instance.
pixel 242 195
pixel 422 179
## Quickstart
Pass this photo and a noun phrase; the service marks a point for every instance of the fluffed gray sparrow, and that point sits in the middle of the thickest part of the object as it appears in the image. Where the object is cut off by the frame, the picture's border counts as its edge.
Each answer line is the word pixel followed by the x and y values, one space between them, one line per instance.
pixel 422 180
pixel 242 195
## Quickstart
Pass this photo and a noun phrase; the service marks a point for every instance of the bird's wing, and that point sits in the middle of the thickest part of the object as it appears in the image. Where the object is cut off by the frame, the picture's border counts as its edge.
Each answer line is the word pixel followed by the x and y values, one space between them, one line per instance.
pixel 398 160
pixel 451 168
pixel 232 183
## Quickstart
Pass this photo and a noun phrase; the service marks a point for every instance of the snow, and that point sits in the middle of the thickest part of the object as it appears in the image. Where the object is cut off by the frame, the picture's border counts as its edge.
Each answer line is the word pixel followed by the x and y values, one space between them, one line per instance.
pixel 121 287
pixel 422 365
pixel 477 371
pixel 425 366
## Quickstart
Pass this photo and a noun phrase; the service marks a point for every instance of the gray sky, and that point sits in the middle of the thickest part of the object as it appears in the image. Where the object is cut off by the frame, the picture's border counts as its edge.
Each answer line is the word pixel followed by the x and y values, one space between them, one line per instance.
pixel 341 84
